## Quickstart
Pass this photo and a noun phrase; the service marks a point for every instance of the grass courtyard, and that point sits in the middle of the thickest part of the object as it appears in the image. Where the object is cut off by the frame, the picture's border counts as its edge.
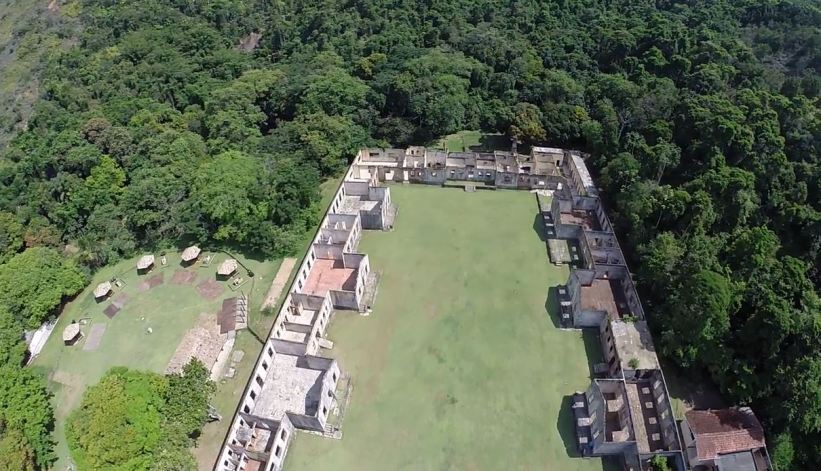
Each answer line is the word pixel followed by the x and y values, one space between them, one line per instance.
pixel 168 309
pixel 459 366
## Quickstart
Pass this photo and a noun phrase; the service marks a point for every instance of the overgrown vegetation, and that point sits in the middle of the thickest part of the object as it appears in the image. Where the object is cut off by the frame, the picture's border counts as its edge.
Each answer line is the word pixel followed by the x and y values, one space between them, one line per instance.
pixel 26 413
pixel 141 420
pixel 701 117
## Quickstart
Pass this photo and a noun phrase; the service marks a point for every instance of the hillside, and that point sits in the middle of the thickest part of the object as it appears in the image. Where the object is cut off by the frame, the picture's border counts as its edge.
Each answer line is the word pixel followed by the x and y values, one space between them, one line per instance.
pixel 30 32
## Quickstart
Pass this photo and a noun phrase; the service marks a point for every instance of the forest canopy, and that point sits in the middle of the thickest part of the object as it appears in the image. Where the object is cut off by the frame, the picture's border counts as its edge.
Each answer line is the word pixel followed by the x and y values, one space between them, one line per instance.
pixel 168 121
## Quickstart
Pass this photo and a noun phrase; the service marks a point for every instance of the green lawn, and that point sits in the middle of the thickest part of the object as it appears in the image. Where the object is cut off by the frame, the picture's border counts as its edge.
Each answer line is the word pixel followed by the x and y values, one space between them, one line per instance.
pixel 464 141
pixel 459 366
pixel 168 309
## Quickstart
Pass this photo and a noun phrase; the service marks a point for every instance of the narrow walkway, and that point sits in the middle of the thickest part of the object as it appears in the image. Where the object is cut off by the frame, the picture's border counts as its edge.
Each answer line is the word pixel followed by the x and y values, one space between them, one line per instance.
pixel 280 280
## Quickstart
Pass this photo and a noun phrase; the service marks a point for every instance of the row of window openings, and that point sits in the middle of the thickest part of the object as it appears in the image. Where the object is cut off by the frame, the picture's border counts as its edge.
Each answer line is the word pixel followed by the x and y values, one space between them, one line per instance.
pixel 277 452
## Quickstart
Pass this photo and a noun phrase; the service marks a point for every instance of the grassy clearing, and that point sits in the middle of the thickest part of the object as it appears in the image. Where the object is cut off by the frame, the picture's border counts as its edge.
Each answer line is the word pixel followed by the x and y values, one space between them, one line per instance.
pixel 168 309
pixel 463 141
pixel 459 366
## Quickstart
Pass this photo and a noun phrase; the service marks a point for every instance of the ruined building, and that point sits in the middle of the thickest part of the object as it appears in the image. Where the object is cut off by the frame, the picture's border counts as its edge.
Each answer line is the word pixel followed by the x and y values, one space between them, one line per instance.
pixel 626 410
pixel 292 388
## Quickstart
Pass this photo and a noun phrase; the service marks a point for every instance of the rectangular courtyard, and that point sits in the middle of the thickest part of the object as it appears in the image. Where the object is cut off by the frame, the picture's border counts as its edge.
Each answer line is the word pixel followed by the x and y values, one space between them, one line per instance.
pixel 459 365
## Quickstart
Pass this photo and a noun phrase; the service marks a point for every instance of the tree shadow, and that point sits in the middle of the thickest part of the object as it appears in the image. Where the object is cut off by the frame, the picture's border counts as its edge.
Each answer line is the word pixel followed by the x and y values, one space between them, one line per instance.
pixel 491 142
pixel 566 425
pixel 692 387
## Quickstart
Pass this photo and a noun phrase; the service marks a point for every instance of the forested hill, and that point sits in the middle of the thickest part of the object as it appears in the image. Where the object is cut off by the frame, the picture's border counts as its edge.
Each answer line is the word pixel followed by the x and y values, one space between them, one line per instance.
pixel 168 122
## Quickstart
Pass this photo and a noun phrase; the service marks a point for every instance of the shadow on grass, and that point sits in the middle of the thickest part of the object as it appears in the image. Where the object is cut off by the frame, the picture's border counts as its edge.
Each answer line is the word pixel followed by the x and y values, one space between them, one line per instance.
pixel 611 463
pixel 551 306
pixel 592 349
pixel 566 425
pixel 538 228
pixel 490 142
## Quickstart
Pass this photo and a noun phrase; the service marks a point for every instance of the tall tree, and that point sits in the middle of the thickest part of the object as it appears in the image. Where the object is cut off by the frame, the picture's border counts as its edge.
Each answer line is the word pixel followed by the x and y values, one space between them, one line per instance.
pixel 35 282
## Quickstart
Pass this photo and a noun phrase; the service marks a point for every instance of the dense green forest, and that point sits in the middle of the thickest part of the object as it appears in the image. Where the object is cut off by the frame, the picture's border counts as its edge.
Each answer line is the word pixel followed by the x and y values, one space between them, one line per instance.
pixel 135 420
pixel 215 121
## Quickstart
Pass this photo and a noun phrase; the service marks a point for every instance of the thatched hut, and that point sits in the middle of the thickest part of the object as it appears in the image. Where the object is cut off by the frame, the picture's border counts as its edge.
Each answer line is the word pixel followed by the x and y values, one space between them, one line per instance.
pixel 71 333
pixel 102 290
pixel 227 268
pixel 190 253
pixel 145 262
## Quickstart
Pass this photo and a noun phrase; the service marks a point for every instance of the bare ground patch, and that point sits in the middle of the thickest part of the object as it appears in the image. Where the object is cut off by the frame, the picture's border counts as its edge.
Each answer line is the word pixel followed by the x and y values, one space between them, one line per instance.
pixel 280 280
pixel 72 386
pixel 152 282
pixel 120 300
pixel 203 342
pixel 210 289
pixel 95 336
pixel 183 277
pixel 111 311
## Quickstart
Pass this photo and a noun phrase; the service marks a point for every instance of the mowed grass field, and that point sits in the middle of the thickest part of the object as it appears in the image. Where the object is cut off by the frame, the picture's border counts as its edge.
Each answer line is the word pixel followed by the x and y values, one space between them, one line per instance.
pixel 459 366
pixel 169 310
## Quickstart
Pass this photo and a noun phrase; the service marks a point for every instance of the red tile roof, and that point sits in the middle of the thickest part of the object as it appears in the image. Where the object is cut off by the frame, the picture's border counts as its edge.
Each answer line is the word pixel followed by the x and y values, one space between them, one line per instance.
pixel 722 431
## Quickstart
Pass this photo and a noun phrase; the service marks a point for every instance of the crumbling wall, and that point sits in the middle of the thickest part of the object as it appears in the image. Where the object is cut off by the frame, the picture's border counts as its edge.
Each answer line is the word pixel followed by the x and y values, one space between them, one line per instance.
pixel 327 251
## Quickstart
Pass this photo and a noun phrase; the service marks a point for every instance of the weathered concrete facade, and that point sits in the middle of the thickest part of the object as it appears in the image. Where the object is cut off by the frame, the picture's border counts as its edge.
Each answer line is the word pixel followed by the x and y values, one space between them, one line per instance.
pixel 503 169
pixel 626 410
pixel 291 388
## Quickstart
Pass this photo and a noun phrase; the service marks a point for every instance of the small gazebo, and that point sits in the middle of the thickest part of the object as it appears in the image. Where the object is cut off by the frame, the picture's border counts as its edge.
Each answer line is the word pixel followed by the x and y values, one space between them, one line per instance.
pixel 145 262
pixel 227 268
pixel 190 253
pixel 71 333
pixel 102 290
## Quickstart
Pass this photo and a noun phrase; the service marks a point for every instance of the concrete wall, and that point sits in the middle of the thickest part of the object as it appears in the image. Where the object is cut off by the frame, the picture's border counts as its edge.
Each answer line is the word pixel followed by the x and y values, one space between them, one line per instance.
pixel 507 179
pixel 344 300
pixel 287 347
pixel 327 251
pixel 390 174
pixel 320 326
pixel 305 422
pixel 372 220
pixel 382 155
pixel 356 188
pixel 585 203
pixel 611 355
pixel 632 297
pixel 665 410
pixel 434 176
pixel 328 393
pixel 281 435
pixel 597 409
pixel 282 441
pixel 582 318
pixel 351 186
pixel 353 260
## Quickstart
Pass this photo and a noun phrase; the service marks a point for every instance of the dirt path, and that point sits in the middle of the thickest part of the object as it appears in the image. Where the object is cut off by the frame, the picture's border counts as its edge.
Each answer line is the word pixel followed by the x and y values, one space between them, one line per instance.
pixel 280 280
